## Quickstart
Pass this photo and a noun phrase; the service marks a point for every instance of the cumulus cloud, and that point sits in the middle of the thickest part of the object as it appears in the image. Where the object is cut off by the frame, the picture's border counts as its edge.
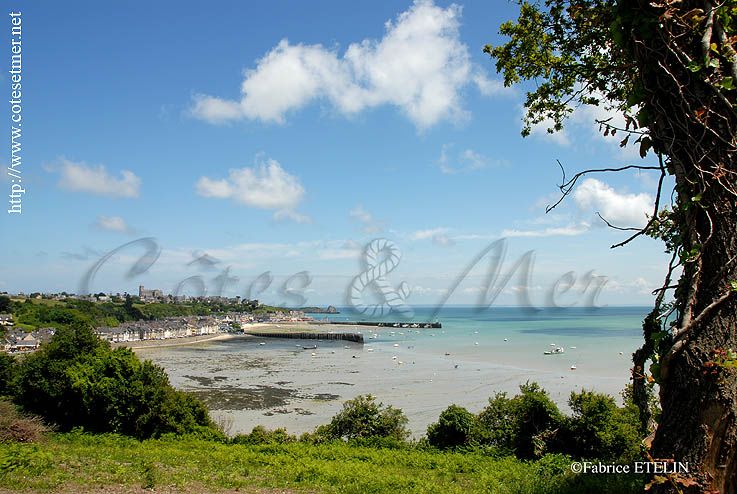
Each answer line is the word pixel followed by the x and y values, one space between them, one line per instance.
pixel 621 209
pixel 570 230
pixel 541 131
pixel 584 122
pixel 370 225
pixel 437 235
pixel 81 177
pixel 466 160
pixel 420 66
pixel 112 223
pixel 266 186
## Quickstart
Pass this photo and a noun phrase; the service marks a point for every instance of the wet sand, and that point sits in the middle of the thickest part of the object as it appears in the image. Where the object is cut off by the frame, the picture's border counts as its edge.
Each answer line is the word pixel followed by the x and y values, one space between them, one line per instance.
pixel 249 381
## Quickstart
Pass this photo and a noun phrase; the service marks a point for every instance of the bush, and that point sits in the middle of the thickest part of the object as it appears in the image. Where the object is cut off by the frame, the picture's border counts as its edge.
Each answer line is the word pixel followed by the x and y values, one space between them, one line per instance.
pixel 8 369
pixel 524 425
pixel 455 427
pixel 599 429
pixel 262 435
pixel 78 381
pixel 18 428
pixel 361 418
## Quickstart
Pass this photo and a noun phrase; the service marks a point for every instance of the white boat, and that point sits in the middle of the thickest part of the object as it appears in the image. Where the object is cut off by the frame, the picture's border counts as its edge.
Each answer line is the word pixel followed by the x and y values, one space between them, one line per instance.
pixel 556 351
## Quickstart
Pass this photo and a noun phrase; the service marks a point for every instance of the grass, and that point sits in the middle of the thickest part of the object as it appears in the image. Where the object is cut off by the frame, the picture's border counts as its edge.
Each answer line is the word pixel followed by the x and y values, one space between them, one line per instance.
pixel 78 462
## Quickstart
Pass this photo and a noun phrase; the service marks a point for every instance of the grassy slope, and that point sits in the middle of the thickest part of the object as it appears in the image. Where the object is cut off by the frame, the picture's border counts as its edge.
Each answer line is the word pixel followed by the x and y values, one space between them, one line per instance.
pixel 76 463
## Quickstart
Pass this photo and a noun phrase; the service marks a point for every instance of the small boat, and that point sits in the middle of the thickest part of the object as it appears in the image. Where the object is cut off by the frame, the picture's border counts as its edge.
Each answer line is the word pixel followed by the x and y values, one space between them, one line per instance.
pixel 556 351
pixel 313 347
pixel 573 367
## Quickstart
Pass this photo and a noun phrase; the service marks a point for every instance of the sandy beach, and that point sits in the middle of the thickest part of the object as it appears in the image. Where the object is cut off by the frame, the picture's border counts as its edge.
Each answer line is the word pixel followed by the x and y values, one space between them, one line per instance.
pixel 249 380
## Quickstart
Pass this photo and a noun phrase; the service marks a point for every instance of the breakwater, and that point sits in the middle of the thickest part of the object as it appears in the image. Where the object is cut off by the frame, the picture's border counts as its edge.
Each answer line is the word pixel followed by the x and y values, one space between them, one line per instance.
pixel 354 337
pixel 414 325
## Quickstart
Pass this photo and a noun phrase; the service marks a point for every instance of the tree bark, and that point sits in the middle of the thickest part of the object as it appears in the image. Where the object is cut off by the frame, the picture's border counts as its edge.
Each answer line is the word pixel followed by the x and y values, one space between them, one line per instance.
pixel 693 123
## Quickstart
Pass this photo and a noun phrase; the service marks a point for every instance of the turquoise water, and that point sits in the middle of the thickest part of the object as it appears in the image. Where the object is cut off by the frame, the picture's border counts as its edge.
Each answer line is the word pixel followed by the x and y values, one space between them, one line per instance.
pixel 473 356
pixel 599 339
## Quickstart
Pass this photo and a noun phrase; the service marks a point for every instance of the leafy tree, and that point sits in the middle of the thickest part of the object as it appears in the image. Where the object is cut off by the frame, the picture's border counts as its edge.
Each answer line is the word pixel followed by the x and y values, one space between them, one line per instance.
pixel 261 435
pixel 524 424
pixel 5 304
pixel 599 429
pixel 8 369
pixel 130 310
pixel 496 422
pixel 669 68
pixel 362 417
pixel 78 381
pixel 455 427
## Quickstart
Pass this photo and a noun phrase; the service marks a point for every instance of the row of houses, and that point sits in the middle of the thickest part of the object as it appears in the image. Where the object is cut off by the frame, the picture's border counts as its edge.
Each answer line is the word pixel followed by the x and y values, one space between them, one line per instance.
pixel 162 329
pixel 16 341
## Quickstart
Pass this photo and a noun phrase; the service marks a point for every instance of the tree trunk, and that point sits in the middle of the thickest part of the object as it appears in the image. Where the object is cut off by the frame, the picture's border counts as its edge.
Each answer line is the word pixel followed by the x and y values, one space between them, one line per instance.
pixel 693 123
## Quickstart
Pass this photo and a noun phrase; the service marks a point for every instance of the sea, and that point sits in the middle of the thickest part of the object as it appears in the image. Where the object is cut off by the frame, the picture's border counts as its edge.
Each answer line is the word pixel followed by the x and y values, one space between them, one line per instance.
pixel 281 383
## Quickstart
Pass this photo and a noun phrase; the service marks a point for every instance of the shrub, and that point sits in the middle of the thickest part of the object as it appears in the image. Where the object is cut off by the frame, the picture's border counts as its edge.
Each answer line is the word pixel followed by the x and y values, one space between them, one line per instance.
pixel 19 428
pixel 362 417
pixel 455 427
pixel 262 435
pixel 525 424
pixel 599 429
pixel 8 367
pixel 78 381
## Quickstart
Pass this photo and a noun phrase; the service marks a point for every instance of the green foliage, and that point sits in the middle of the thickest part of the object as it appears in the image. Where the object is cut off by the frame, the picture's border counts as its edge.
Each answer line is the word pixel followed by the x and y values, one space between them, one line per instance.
pixel 455 427
pixel 362 417
pixel 5 304
pixel 18 427
pixel 8 368
pixel 524 424
pixel 27 461
pixel 568 48
pixel 33 314
pixel 261 435
pixel 81 462
pixel 78 381
pixel 600 430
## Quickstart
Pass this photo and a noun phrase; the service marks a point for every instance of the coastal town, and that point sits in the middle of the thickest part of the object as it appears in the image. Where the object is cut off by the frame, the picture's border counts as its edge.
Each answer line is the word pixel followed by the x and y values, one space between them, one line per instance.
pixel 19 338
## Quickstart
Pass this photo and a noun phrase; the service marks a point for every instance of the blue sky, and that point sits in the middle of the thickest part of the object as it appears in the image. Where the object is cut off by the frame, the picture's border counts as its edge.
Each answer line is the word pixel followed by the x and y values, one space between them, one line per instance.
pixel 286 137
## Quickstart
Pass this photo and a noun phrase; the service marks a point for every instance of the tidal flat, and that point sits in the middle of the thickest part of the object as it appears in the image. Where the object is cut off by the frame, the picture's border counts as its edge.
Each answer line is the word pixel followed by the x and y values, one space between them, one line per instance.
pixel 248 381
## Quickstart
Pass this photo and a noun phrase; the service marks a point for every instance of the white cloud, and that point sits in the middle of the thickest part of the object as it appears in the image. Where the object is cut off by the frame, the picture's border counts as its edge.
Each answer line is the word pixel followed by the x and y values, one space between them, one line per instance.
pixel 96 180
pixel 437 235
pixel 466 160
pixel 424 290
pixel 420 66
pixel 639 285
pixel 288 214
pixel 584 122
pixel 490 87
pixel 569 230
pixel 370 225
pixel 345 250
pixel 620 209
pixel 112 223
pixel 266 186
pixel 540 130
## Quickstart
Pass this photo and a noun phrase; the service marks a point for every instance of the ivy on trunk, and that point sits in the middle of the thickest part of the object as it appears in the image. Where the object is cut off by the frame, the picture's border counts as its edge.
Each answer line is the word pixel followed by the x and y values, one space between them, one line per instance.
pixel 669 68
